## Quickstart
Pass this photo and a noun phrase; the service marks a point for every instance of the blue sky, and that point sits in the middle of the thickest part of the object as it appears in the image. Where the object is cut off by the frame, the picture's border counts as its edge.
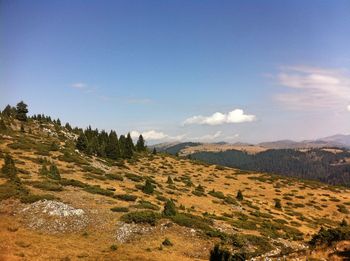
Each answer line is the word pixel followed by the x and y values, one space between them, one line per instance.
pixel 181 70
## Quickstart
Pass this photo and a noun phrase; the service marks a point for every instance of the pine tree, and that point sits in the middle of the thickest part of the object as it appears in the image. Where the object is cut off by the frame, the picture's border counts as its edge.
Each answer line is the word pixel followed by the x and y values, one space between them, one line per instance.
pixel 148 187
pixel 122 145
pixel 169 208
pixel 9 168
pixel 68 127
pixel 54 173
pixel 129 147
pixel 2 125
pixel 278 204
pixel 154 152
pixel 43 170
pixel 21 111
pixel 140 144
pixel 81 142
pixel 112 148
pixel 170 180
pixel 129 140
pixel 58 122
pixel 9 111
pixel 239 195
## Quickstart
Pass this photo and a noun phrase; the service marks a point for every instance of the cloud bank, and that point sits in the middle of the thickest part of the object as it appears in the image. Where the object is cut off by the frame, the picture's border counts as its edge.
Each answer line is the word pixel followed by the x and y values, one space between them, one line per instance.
pixel 314 88
pixel 155 135
pixel 218 118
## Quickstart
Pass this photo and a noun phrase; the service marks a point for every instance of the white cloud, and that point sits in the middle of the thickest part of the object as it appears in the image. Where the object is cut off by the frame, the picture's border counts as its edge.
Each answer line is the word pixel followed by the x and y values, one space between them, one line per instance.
pixel 348 107
pixel 235 116
pixel 208 137
pixel 79 85
pixel 312 87
pixel 155 135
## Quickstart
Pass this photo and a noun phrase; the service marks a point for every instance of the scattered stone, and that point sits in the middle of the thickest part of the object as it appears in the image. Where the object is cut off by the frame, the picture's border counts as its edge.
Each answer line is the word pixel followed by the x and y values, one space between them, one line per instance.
pixel 53 217
pixel 126 231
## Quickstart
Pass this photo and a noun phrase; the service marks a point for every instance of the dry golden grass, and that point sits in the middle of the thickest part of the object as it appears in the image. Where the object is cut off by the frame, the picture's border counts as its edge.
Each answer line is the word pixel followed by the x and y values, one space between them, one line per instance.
pixel 315 204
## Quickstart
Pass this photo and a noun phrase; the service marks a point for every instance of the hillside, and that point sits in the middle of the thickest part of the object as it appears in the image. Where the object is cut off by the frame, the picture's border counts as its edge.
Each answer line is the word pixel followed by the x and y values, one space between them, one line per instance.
pixel 147 207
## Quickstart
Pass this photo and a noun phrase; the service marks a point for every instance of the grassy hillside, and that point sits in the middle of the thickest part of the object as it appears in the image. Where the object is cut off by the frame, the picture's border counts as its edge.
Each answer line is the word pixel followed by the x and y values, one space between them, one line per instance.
pixel 149 207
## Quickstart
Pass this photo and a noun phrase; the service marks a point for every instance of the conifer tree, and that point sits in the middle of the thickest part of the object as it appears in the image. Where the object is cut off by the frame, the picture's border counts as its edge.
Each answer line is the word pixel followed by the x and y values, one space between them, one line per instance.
pixel 169 208
pixel 122 145
pixel 2 125
pixel 21 111
pixel 58 122
pixel 54 173
pixel 8 111
pixel 130 142
pixel 112 147
pixel 68 127
pixel 43 170
pixel 81 142
pixel 9 168
pixel 170 180
pixel 148 187
pixel 154 152
pixel 239 195
pixel 140 144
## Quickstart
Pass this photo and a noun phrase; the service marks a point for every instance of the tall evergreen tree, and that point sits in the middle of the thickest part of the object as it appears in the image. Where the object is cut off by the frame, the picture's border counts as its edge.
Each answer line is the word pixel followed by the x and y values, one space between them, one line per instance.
pixel 68 127
pixel 21 111
pixel 81 142
pixel 112 147
pixel 9 169
pixel 122 145
pixel 8 111
pixel 129 148
pixel 140 144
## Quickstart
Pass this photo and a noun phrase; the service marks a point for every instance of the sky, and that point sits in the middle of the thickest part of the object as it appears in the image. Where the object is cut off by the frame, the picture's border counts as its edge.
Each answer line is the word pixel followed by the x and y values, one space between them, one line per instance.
pixel 208 71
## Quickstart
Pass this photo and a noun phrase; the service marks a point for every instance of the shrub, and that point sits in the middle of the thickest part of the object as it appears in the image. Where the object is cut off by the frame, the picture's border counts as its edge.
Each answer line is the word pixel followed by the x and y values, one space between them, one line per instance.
pixel 217 194
pixel 30 198
pixel 169 209
pixel 221 254
pixel 73 182
pixel 114 176
pixel 192 221
pixel 167 242
pixel 120 209
pixel 46 185
pixel 146 205
pixel 343 209
pixel 148 217
pixel 126 197
pixel 239 195
pixel 113 247
pixel 133 177
pixel 54 173
pixel 97 190
pixel 148 187
pixel 328 236
pixel 9 169
pixel 170 180
pixel 278 204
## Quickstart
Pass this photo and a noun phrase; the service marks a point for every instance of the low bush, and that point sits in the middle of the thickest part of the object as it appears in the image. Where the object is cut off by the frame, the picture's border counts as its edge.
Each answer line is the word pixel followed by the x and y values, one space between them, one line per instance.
pixel 147 217
pixel 120 209
pixel 126 197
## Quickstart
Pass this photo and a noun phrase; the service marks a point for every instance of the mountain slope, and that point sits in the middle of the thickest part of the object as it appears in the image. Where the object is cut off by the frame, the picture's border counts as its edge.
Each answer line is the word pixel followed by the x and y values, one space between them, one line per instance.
pixel 76 220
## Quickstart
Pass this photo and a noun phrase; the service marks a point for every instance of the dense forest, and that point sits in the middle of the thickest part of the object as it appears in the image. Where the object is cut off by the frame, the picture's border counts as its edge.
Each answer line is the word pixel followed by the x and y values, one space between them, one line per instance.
pixel 314 164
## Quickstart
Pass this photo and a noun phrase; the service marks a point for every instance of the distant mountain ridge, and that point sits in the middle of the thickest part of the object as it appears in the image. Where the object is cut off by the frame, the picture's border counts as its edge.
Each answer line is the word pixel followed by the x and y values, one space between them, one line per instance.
pixel 338 140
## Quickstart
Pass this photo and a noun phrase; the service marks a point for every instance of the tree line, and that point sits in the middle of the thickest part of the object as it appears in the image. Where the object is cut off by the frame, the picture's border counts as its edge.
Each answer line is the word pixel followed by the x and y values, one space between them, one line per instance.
pixel 314 164
pixel 90 141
